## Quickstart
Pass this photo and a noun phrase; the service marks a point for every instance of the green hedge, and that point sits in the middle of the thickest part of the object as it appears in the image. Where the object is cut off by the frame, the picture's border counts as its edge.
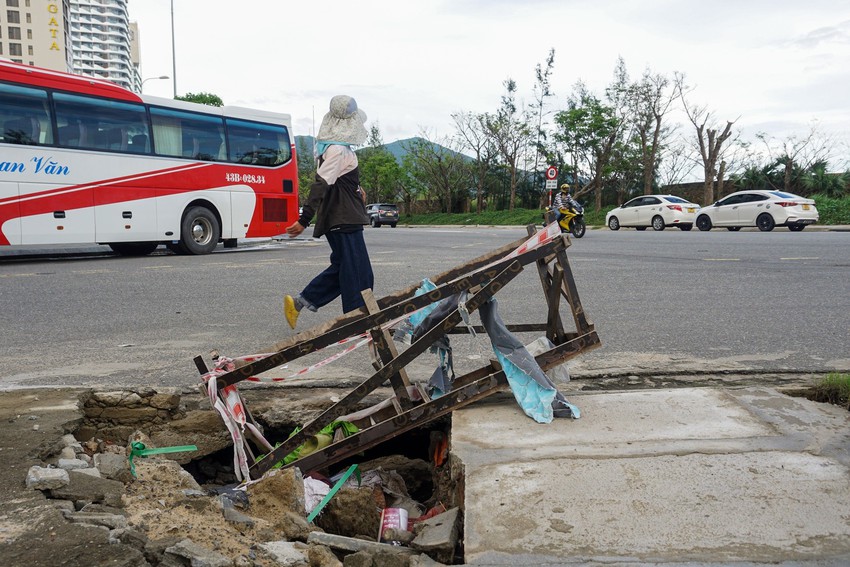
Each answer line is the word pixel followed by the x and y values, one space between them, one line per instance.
pixel 832 211
pixel 516 217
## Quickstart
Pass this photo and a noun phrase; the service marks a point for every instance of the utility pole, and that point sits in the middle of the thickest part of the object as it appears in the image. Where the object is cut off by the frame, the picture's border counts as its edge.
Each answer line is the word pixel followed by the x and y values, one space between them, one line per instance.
pixel 173 53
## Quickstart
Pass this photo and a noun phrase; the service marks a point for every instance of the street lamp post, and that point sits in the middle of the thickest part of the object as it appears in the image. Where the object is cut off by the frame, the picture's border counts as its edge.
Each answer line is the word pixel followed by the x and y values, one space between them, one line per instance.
pixel 173 52
pixel 153 79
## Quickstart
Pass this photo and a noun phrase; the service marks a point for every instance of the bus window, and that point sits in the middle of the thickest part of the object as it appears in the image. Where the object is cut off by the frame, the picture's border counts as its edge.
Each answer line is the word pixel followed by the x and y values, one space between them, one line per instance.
pixel 187 134
pixel 97 124
pixel 258 144
pixel 24 116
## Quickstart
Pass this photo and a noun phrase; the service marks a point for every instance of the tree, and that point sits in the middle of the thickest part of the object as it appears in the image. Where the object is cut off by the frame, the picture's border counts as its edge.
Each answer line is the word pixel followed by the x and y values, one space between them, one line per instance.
pixel 710 140
pixel 797 154
pixel 625 173
pixel 677 163
pixel 650 100
pixel 817 180
pixel 473 135
pixel 589 130
pixel 202 98
pixel 380 172
pixel 440 169
pixel 542 91
pixel 306 168
pixel 511 133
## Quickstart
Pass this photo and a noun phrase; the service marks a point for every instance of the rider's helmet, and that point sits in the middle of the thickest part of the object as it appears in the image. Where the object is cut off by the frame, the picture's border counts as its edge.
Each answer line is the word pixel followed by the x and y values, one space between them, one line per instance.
pixel 565 188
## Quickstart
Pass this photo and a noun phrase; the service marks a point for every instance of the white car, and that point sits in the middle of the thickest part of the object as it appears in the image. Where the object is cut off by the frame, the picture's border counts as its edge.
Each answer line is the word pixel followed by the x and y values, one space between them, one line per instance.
pixel 764 209
pixel 657 211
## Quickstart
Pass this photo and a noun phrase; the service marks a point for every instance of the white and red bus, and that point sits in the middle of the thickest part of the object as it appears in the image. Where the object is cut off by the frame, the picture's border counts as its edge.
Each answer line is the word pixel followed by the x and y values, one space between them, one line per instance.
pixel 83 160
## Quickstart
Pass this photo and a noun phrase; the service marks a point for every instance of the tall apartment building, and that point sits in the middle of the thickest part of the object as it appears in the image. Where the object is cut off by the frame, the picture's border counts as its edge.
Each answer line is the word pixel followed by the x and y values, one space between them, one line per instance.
pixel 87 37
pixel 101 37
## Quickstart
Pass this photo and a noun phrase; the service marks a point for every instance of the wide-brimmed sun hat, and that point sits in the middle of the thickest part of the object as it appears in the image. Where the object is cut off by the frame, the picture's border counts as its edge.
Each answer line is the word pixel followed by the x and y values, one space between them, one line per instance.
pixel 344 122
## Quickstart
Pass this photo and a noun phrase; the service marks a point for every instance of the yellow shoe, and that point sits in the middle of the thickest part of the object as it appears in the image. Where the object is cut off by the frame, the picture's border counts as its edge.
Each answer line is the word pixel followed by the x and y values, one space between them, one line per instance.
pixel 290 311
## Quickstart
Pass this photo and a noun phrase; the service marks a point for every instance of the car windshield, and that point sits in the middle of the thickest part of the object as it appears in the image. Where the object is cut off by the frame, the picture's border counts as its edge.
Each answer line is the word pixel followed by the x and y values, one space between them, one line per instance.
pixel 676 199
pixel 388 207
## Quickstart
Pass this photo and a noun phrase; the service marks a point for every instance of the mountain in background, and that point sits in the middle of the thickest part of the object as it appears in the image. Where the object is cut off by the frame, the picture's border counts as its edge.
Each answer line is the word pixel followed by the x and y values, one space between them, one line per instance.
pixel 397 148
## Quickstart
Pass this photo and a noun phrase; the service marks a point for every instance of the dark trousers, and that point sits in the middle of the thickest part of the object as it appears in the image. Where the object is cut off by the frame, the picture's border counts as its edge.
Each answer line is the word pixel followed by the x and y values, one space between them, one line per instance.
pixel 350 273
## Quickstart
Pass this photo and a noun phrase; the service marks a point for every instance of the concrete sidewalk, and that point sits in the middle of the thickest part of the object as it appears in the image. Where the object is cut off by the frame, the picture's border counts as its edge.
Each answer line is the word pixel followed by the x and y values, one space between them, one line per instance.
pixel 696 476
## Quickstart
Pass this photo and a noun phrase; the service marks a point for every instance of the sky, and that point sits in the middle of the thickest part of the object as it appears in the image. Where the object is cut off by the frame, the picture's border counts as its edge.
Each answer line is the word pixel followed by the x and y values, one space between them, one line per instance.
pixel 778 67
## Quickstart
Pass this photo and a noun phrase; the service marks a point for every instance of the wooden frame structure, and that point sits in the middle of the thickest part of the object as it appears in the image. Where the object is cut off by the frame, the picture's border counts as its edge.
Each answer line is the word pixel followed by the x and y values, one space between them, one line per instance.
pixel 410 406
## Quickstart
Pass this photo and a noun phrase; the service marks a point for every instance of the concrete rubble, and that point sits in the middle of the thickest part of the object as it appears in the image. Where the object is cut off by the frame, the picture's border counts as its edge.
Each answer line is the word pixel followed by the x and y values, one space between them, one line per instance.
pixel 166 516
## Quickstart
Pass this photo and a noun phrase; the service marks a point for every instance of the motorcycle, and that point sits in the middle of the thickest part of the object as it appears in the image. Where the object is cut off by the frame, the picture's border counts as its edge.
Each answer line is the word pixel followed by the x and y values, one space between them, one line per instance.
pixel 572 220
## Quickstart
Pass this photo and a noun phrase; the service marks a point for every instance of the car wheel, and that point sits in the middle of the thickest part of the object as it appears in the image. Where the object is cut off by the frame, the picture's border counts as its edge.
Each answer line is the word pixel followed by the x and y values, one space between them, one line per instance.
pixel 393 225
pixel 733 228
pixel 796 227
pixel 640 228
pixel 199 231
pixel 765 222
pixel 685 227
pixel 372 222
pixel 614 223
pixel 703 223
pixel 657 223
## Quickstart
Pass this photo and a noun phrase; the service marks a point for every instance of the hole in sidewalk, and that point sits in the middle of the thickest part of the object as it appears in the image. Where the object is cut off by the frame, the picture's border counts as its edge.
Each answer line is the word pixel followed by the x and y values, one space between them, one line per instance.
pixel 216 470
pixel 425 489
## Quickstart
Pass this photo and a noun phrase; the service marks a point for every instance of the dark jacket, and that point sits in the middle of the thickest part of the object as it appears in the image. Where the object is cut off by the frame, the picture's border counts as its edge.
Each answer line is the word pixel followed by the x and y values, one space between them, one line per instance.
pixel 338 206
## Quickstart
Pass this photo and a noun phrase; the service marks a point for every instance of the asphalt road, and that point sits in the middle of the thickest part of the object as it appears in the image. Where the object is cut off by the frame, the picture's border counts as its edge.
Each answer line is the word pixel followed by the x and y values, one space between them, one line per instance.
pixel 661 302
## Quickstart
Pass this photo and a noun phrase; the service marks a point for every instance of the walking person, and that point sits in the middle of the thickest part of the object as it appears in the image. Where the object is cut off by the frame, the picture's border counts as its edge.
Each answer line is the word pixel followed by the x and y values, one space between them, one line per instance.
pixel 339 204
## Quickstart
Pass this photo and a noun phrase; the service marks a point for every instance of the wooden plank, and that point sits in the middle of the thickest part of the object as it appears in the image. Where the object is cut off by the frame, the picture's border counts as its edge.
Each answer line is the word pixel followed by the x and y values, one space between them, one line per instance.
pixel 386 352
pixel 364 322
pixel 346 404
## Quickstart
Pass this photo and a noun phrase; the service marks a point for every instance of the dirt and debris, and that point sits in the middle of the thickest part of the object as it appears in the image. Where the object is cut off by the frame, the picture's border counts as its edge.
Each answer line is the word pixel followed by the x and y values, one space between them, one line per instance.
pixel 164 516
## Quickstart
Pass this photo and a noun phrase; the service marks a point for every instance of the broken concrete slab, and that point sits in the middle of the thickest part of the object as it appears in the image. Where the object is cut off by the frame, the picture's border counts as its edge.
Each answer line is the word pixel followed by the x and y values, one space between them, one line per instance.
pixel 286 553
pixel 91 471
pixel 85 488
pixel 198 555
pixel 72 464
pixel 44 478
pixel 352 545
pixel 438 536
pixel 111 521
pixel 114 466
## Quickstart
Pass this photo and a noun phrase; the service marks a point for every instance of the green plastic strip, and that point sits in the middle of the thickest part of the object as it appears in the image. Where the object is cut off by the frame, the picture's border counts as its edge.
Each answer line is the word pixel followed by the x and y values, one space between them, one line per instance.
pixel 333 491
pixel 137 449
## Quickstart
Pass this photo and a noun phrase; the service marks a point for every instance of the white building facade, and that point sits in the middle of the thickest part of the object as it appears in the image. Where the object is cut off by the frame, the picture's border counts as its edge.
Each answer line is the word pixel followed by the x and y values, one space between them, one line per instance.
pixel 86 37
pixel 101 42
pixel 35 32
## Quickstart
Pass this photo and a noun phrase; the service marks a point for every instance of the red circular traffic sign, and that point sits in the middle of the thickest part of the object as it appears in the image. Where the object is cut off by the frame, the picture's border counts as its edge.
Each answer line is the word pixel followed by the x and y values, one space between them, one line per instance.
pixel 551 172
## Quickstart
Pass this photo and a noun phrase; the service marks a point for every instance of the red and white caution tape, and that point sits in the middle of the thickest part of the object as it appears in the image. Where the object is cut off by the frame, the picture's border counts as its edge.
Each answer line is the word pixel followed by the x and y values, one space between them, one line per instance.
pixel 229 405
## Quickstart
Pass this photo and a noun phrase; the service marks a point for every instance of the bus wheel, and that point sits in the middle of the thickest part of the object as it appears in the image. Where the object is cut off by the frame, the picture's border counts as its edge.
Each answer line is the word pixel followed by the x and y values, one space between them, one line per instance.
pixel 199 231
pixel 133 248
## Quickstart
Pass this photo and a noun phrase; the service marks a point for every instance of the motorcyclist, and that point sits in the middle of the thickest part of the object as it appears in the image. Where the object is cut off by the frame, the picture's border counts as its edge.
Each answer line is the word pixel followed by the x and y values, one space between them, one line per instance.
pixel 563 200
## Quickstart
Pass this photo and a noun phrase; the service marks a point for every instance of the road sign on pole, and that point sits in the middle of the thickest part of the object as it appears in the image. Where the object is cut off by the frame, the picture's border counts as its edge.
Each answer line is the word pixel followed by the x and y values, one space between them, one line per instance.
pixel 551 173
